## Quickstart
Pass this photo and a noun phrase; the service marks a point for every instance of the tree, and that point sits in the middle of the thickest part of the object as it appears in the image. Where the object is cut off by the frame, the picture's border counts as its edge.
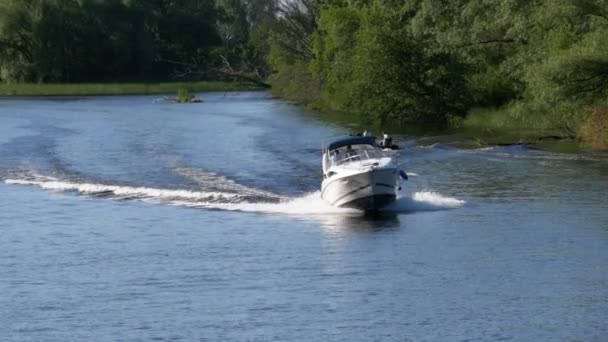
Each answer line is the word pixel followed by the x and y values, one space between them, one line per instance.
pixel 372 65
pixel 77 40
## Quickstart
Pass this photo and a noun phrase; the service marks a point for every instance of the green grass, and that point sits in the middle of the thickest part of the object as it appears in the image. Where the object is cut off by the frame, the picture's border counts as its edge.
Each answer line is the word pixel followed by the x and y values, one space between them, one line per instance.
pixel 90 89
pixel 486 126
pixel 505 119
pixel 482 127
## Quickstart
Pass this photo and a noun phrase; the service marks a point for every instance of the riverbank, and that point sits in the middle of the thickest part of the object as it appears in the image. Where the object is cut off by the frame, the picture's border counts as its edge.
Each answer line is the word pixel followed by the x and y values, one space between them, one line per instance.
pixel 93 89
pixel 481 128
pixel 490 127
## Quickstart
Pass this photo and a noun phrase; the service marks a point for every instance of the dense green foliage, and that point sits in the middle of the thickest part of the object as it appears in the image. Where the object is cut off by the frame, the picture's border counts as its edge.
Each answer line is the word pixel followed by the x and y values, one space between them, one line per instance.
pixel 541 64
pixel 86 89
pixel 382 69
pixel 78 40
pixel 124 40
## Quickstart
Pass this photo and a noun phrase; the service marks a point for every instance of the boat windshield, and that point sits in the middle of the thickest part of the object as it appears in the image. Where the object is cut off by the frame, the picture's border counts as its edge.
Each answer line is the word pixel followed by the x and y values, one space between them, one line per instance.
pixel 357 153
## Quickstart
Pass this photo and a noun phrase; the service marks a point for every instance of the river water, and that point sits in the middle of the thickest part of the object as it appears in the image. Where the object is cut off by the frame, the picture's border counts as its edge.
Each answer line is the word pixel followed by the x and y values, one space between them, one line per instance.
pixel 124 218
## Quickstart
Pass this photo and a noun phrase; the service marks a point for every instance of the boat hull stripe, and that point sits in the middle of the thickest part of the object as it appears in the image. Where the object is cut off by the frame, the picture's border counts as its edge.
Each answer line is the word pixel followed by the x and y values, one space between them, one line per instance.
pixel 350 193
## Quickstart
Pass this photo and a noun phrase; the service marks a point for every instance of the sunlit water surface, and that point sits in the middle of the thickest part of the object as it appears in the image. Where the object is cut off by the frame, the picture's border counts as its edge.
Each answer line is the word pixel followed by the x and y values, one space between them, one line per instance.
pixel 124 218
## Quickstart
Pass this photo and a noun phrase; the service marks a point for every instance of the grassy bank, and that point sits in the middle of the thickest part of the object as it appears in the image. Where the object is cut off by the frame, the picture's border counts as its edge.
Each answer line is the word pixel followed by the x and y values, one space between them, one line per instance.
pixel 486 126
pixel 575 132
pixel 482 127
pixel 89 89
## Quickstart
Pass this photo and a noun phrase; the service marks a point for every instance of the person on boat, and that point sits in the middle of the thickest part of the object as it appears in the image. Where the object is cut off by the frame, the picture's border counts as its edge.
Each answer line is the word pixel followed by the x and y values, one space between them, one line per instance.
pixel 367 133
pixel 350 153
pixel 387 141
pixel 335 157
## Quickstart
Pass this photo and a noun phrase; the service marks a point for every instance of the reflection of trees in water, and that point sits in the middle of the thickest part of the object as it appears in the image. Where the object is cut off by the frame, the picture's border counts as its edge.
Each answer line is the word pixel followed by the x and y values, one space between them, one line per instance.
pixel 509 173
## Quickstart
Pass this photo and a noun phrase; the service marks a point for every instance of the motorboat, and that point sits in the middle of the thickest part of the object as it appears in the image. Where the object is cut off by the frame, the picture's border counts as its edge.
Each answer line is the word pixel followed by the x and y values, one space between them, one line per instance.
pixel 357 173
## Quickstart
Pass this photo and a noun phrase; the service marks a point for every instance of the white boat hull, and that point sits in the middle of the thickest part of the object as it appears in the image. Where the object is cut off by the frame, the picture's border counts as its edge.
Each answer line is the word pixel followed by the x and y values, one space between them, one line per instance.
pixel 370 190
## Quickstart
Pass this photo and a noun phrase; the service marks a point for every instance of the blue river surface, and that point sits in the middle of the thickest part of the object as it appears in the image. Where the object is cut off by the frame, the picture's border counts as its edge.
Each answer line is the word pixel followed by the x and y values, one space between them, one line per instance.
pixel 131 219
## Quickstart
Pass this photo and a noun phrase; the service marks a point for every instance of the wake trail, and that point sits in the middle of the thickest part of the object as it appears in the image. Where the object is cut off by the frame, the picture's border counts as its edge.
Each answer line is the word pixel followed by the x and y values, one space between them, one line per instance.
pixel 424 201
pixel 210 181
pixel 142 193
pixel 245 199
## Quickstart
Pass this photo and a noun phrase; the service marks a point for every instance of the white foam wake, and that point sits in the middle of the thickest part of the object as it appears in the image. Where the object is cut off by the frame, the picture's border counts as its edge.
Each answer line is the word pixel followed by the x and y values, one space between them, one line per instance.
pixel 128 192
pixel 210 181
pixel 425 201
pixel 309 204
pixel 313 204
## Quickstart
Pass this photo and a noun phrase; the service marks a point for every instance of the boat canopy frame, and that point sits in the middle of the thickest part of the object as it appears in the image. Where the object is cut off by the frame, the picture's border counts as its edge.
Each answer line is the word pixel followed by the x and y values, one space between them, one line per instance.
pixel 356 140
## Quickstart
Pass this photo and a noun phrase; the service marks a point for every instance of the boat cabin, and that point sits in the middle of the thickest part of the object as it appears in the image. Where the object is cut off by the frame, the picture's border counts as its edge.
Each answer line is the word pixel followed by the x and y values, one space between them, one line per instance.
pixel 351 149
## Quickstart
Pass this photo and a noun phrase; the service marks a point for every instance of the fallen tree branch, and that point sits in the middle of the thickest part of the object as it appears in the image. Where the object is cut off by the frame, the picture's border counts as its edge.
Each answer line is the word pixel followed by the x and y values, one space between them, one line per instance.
pixel 192 69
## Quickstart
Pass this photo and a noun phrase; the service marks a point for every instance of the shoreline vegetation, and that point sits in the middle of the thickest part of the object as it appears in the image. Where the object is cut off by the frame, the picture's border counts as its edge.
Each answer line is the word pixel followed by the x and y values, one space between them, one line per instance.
pixel 469 133
pixel 131 88
pixel 515 72
pixel 480 128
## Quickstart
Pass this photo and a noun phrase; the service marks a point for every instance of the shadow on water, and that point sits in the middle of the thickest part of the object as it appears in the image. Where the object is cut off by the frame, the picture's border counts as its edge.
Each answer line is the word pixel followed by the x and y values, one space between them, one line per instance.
pixel 364 223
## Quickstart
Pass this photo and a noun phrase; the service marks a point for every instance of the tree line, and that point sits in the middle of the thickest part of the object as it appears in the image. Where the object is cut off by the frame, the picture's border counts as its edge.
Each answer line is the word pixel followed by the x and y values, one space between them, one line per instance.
pixel 389 61
pixel 114 40
pixel 543 63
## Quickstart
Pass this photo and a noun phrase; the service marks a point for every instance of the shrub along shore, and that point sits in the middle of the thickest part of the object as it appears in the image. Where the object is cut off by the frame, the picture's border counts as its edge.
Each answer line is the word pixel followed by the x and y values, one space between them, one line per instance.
pixel 92 89
pixel 539 67
pixel 482 127
pixel 513 66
